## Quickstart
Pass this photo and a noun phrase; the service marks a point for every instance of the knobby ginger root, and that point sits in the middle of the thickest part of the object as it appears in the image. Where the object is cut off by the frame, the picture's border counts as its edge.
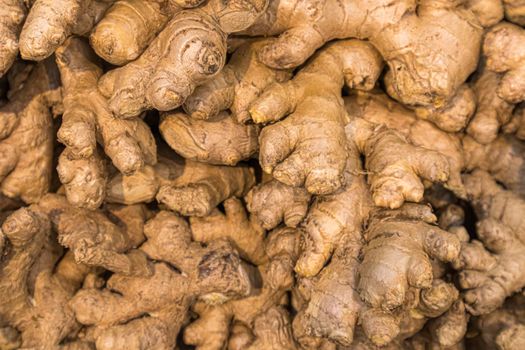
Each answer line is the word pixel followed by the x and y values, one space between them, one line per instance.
pixel 190 188
pixel 13 13
pixel 27 135
pixel 308 147
pixel 431 47
pixel 491 267
pixel 189 51
pixel 86 121
pixel 203 140
pixel 157 305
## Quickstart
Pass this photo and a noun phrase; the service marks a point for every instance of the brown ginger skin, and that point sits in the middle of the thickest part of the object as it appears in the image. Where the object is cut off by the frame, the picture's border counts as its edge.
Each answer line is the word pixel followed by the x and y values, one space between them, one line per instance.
pixel 422 71
pixel 13 13
pixel 504 48
pixel 241 81
pixel 189 51
pixel 214 273
pixel 50 22
pixel 491 267
pixel 515 11
pixel 313 104
pixel 27 136
pixel 188 187
pixel 86 120
pixel 217 140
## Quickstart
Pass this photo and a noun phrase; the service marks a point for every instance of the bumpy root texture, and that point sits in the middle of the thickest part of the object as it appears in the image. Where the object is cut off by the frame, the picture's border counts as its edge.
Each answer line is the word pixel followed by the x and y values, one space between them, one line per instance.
pixel 330 218
pixel 277 278
pixel 393 165
pixel 35 296
pixel 241 81
pixel 214 273
pixel 488 12
pixel 309 147
pixel 504 48
pixel 204 140
pixel 190 188
pixel 455 115
pixel 273 330
pixel 492 267
pixel 515 11
pixel 422 70
pixel 244 232
pixel 27 136
pixel 516 125
pixel 273 202
pixel 378 109
pixel 399 246
pixel 504 159
pixel 13 13
pixel 189 51
pixel 492 111
pixel 51 22
pixel 86 119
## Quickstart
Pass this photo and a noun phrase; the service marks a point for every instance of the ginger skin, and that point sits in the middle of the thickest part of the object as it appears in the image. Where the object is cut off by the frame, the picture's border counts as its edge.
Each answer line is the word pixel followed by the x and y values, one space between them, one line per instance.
pixel 13 13
pixel 189 51
pixel 86 119
pixel 415 76
pixel 27 136
pixel 314 107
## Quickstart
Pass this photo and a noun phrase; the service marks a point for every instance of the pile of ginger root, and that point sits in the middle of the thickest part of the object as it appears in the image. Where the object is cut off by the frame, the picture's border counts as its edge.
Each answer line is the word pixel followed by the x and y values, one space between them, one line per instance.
pixel 262 174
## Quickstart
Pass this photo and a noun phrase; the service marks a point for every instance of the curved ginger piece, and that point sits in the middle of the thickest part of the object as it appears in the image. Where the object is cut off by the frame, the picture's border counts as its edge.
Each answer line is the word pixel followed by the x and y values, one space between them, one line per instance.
pixel 86 120
pixel 129 26
pixel 190 188
pixel 273 202
pixel 399 246
pixel 27 136
pixel 244 232
pixel 50 22
pixel 377 108
pixel 218 140
pixel 308 147
pixel 431 47
pixel 189 51
pixel 491 269
pixel 43 317
pixel 515 11
pixel 393 165
pixel 13 14
pixel 504 48
pixel 214 273
pixel 241 81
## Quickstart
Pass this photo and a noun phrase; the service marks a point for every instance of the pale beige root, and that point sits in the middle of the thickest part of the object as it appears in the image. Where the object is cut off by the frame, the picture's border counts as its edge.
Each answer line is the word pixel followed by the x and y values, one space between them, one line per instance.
pixel 273 330
pixel 212 329
pixel 309 147
pixel 273 202
pixel 449 329
pixel 455 115
pixel 491 270
pixel 516 125
pixel 330 218
pixel 12 13
pixel 27 135
pixel 378 109
pixel 50 22
pixel 399 246
pixel 43 318
pixel 496 330
pixel 157 306
pixel 488 12
pixel 504 159
pixel 492 111
pixel 86 120
pixel 393 165
pixel 190 188
pixel 127 28
pixel 217 140
pixel 189 51
pixel 241 81
pixel 431 48
pixel 504 49
pixel 515 11
pixel 246 233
